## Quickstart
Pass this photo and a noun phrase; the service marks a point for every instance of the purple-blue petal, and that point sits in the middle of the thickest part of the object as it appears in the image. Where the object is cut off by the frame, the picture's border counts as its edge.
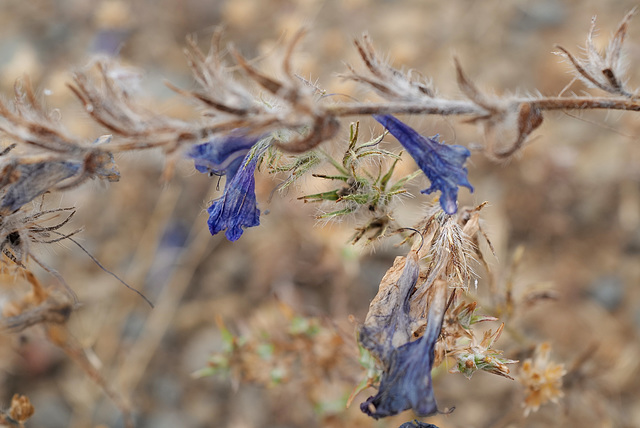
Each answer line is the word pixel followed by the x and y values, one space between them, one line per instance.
pixel 406 384
pixel 442 164
pixel 237 208
pixel 218 155
pixel 417 424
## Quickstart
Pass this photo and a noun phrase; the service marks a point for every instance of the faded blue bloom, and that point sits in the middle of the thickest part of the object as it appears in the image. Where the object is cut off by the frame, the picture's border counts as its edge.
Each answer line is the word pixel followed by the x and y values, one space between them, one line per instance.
pixel 406 382
pixel 406 376
pixel 236 156
pixel 389 325
pixel 443 164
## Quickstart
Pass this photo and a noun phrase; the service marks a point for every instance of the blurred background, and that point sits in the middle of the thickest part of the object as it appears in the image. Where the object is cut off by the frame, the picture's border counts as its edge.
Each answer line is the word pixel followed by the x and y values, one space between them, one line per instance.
pixel 570 200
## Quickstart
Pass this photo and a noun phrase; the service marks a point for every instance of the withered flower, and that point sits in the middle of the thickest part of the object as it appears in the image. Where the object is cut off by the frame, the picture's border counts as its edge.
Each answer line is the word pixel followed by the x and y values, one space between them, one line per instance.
pixel 542 379
pixel 406 377
pixel 23 182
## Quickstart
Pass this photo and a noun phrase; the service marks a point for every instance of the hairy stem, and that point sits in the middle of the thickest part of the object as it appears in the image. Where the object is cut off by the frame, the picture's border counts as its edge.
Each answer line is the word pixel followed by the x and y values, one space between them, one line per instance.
pixel 461 107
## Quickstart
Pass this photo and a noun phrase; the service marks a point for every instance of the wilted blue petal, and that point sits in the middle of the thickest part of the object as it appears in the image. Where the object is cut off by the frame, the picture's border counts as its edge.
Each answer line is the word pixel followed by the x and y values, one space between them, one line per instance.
pixel 237 208
pixel 222 155
pixel 406 384
pixel 417 424
pixel 406 381
pixel 388 324
pixel 406 375
pixel 443 164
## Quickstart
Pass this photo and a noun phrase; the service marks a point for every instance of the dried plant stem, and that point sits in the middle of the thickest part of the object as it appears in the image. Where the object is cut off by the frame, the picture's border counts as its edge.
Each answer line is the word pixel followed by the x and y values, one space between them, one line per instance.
pixel 59 336
pixel 586 103
pixel 460 107
pixel 133 368
pixel 439 107
pixel 141 262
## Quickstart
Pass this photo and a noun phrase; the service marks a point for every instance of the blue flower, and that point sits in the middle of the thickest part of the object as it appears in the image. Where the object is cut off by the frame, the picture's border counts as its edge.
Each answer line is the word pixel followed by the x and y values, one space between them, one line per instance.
pixel 236 156
pixel 442 164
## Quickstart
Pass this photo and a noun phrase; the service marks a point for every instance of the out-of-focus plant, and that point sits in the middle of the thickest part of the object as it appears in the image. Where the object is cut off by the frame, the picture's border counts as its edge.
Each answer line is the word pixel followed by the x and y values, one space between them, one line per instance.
pixel 541 378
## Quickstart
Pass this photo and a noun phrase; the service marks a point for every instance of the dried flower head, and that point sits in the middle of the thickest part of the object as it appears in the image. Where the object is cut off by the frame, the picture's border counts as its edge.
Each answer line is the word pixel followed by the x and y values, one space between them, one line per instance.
pixel 450 253
pixel 20 411
pixel 21 229
pixel 482 356
pixel 456 328
pixel 603 70
pixel 542 379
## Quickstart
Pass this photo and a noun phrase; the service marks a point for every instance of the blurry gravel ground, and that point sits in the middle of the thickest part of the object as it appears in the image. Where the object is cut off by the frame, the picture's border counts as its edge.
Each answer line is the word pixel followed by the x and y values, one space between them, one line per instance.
pixel 572 200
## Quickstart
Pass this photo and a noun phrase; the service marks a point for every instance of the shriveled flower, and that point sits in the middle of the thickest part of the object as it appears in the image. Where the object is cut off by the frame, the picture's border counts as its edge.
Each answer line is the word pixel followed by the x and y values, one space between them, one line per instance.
pixel 237 156
pixel 443 164
pixel 542 379
pixel 406 377
pixel 406 382
pixel 388 324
